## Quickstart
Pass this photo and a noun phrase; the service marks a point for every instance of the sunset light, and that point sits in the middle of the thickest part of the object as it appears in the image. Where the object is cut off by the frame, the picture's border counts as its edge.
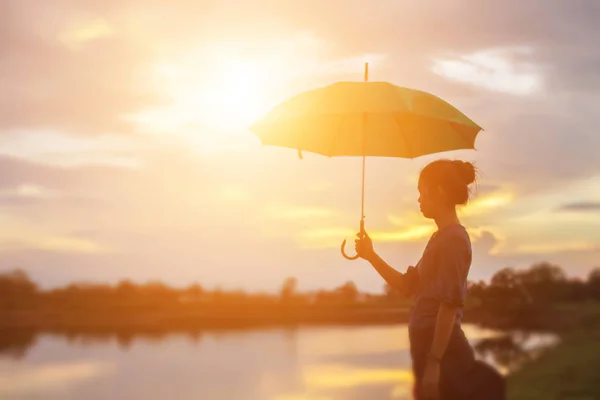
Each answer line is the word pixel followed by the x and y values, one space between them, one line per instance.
pixel 241 190
pixel 211 103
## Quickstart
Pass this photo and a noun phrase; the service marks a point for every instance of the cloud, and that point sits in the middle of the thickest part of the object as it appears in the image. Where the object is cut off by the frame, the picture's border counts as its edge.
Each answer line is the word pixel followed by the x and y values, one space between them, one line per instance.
pixel 300 213
pixel 54 148
pixel 485 242
pixel 550 247
pixel 78 36
pixel 487 203
pixel 77 90
pixel 28 194
pixel 582 206
pixel 51 243
pixel 25 191
pixel 490 69
pixel 330 237
pixel 413 233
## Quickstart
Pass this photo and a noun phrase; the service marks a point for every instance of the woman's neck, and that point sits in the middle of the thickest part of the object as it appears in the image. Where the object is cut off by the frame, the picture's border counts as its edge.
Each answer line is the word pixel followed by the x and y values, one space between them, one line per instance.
pixel 446 220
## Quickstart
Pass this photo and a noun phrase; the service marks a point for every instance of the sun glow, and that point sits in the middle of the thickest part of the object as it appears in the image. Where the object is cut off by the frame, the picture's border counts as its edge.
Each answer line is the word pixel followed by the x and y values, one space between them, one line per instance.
pixel 212 94
pixel 230 95
pixel 215 94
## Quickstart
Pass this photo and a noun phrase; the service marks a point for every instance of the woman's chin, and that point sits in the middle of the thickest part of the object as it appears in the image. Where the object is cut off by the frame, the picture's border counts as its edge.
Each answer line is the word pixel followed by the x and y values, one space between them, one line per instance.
pixel 425 214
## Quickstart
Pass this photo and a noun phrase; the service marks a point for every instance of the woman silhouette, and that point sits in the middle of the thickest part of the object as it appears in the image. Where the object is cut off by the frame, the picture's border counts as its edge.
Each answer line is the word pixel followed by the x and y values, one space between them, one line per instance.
pixel 442 359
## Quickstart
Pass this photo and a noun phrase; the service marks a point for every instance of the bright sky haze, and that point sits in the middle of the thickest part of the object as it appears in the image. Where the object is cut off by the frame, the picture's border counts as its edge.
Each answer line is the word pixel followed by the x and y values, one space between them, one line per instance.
pixel 125 151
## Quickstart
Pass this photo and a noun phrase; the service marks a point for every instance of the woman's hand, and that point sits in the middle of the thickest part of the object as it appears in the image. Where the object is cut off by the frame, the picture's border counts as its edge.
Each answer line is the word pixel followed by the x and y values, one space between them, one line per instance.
pixel 431 381
pixel 364 246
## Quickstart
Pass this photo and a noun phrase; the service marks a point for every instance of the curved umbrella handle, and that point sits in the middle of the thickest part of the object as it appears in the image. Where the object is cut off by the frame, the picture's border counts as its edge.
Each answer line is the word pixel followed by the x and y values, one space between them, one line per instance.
pixel 355 257
pixel 347 257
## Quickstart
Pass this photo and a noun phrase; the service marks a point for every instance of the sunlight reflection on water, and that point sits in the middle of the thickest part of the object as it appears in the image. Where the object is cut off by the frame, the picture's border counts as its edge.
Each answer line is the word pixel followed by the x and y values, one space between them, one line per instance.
pixel 349 363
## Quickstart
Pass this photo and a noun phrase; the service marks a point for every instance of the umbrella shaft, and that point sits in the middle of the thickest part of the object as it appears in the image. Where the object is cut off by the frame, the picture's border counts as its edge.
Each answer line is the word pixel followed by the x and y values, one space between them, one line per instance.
pixel 364 145
pixel 362 207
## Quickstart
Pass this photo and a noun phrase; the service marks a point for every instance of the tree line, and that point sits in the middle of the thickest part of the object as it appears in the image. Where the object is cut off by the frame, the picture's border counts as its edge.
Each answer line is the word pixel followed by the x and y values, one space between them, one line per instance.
pixel 539 284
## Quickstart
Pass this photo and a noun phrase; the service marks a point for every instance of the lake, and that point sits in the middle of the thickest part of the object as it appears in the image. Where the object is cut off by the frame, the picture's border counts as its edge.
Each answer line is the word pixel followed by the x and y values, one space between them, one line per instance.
pixel 308 363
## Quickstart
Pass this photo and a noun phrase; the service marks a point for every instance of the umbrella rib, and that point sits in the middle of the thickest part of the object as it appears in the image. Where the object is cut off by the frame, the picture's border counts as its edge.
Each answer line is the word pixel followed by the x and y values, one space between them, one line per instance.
pixel 461 134
pixel 335 136
pixel 317 106
pixel 408 147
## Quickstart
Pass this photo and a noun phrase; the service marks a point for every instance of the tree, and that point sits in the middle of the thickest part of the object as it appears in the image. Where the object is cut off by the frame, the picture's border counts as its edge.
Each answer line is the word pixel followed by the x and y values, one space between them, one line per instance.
pixel 348 292
pixel 506 278
pixel 593 284
pixel 17 290
pixel 594 275
pixel 288 289
pixel 194 292
pixel 126 291
pixel 545 282
pixel 543 273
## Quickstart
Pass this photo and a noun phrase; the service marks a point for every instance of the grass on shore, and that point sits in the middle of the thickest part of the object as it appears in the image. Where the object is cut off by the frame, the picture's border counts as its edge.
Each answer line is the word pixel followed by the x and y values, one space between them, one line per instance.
pixel 571 369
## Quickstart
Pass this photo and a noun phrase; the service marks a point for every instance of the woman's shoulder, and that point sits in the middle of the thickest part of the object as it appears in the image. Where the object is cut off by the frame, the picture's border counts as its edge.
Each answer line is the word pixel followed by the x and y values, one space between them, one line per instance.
pixel 455 234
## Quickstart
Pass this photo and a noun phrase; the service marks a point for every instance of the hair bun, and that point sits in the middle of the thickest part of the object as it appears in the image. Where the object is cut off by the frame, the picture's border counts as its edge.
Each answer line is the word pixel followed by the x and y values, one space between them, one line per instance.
pixel 466 171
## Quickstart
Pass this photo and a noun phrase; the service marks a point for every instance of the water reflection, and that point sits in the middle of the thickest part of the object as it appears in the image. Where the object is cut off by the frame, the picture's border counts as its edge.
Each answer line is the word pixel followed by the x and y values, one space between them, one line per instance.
pixel 33 380
pixel 509 351
pixel 349 363
pixel 14 344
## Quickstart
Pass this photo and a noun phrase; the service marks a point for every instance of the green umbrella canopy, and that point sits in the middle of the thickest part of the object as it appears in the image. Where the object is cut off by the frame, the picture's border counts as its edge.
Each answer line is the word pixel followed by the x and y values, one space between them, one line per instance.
pixel 376 119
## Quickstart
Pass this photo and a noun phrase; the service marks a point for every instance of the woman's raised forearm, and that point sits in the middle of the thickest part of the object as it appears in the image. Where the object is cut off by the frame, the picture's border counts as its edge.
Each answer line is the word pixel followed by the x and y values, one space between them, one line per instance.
pixel 395 279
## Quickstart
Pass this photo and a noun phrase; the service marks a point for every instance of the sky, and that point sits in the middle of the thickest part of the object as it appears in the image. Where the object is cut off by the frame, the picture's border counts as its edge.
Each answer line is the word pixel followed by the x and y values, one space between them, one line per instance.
pixel 125 151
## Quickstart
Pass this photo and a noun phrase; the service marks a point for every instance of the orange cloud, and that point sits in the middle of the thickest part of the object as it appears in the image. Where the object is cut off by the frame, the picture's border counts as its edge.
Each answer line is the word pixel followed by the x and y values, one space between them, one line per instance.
pixel 555 247
pixel 17 233
pixel 327 237
pixel 299 213
pixel 414 233
pixel 75 37
pixel 481 205
pixel 62 244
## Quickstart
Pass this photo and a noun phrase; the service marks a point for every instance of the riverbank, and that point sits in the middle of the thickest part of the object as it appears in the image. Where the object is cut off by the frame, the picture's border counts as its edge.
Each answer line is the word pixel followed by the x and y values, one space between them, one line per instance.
pixel 239 316
pixel 569 370
pixel 183 318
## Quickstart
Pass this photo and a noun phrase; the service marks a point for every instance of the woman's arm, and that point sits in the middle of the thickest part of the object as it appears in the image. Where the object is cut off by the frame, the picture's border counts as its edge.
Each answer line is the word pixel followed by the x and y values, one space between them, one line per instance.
pixel 443 329
pixel 395 279
pixel 454 263
pixel 441 336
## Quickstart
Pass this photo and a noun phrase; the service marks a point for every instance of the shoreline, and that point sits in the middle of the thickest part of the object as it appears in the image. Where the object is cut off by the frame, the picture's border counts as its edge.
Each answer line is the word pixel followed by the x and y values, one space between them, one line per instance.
pixel 224 318
pixel 568 367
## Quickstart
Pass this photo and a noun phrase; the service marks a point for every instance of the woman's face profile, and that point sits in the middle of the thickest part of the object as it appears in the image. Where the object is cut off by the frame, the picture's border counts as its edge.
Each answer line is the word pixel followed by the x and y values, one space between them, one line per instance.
pixel 429 201
pixel 425 205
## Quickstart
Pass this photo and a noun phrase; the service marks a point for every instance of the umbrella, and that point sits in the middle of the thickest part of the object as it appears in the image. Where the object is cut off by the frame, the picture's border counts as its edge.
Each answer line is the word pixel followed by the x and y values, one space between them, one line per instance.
pixel 363 119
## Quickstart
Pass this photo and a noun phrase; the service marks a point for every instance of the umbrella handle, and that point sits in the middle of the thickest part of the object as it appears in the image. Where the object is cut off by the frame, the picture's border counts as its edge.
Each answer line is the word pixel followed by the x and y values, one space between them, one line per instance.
pixel 347 257
pixel 355 257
